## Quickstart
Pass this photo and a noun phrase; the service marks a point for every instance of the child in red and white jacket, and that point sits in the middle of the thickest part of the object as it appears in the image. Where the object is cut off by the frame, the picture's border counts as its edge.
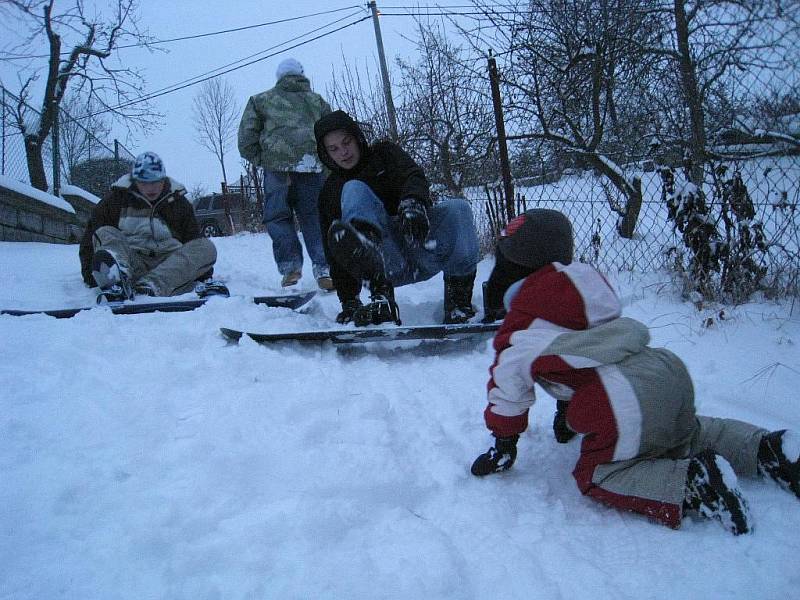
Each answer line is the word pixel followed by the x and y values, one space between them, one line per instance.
pixel 643 446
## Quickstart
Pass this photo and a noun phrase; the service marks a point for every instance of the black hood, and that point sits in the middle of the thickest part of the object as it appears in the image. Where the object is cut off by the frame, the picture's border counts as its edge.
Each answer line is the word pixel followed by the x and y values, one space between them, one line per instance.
pixel 338 119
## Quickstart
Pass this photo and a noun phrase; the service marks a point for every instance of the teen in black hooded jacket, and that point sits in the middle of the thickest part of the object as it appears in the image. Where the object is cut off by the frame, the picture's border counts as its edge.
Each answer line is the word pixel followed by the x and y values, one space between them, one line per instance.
pixel 380 226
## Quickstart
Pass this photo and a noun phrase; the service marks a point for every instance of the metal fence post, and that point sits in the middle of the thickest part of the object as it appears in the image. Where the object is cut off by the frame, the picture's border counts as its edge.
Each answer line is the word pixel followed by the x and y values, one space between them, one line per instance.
pixel 56 157
pixel 3 168
pixel 505 164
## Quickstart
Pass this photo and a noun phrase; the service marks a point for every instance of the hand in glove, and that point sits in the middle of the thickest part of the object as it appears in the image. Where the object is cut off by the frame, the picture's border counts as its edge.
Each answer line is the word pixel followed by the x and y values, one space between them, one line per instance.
pixel 414 223
pixel 498 458
pixel 349 308
pixel 560 428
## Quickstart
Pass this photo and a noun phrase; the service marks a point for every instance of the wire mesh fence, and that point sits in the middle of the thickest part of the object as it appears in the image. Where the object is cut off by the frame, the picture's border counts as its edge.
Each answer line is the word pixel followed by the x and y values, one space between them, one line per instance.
pixel 586 199
pixel 85 156
pixel 708 98
pixel 13 163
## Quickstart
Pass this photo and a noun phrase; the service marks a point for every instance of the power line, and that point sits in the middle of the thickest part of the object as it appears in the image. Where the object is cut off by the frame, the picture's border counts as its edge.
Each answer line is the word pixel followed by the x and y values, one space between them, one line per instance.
pixel 241 60
pixel 198 35
pixel 415 12
pixel 455 9
pixel 245 27
pixel 172 89
pixel 213 73
pixel 435 5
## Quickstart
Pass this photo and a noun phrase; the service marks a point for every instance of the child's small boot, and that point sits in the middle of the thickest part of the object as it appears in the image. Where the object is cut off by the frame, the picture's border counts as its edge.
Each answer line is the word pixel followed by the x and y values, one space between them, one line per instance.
pixel 779 457
pixel 711 490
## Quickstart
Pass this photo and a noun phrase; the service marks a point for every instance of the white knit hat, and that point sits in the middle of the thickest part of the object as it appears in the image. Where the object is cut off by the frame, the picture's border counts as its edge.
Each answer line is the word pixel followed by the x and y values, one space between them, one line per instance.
pixel 288 66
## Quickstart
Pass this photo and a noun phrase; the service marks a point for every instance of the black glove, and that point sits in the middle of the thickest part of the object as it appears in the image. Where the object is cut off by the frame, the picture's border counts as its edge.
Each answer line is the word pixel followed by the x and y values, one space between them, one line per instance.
pixel 498 458
pixel 414 223
pixel 560 428
pixel 349 307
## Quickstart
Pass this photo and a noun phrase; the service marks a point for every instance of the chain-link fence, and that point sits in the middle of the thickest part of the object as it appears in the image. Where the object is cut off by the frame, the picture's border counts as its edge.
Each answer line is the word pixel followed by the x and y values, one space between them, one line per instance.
pixel 677 145
pixel 85 155
pixel 593 207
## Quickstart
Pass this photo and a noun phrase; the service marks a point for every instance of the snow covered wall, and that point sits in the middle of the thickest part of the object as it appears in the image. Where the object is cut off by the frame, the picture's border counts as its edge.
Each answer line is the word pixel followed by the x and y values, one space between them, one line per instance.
pixel 31 215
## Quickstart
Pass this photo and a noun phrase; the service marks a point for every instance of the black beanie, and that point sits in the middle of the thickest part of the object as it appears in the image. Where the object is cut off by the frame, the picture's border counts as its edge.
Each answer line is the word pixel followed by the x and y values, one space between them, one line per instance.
pixel 536 238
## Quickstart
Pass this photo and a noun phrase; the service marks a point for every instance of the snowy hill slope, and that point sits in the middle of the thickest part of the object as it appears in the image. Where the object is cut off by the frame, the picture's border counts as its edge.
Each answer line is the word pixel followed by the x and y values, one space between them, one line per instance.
pixel 143 457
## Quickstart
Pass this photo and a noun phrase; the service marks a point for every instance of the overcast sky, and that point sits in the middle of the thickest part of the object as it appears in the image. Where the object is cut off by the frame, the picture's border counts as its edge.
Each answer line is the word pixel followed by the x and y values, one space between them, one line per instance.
pixel 184 158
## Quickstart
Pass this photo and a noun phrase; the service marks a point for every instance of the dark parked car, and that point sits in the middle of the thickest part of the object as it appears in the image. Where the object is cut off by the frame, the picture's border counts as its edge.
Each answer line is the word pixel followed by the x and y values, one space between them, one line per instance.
pixel 218 214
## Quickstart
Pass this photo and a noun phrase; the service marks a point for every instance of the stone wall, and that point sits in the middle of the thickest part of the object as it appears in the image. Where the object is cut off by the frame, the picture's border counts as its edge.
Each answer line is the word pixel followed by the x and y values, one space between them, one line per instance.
pixel 27 219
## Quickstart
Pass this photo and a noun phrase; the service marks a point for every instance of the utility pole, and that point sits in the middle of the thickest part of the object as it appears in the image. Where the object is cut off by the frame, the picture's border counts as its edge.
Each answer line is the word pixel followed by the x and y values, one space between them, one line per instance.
pixel 505 164
pixel 387 90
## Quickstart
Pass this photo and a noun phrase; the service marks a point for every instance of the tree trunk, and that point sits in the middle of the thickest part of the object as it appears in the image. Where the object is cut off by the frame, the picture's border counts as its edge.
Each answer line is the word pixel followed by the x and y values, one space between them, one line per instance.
pixel 222 164
pixel 446 159
pixel 632 190
pixel 632 207
pixel 691 93
pixel 33 154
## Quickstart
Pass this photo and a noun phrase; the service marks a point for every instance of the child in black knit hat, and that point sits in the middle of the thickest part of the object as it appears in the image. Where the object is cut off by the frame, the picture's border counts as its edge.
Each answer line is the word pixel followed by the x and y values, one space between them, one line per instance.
pixel 643 446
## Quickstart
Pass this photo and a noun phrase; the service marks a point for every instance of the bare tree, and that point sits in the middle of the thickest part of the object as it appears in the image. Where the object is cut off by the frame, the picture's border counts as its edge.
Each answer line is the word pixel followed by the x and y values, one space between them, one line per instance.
pixel 359 93
pixel 88 67
pixel 570 78
pixel 198 190
pixel 444 114
pixel 446 111
pixel 81 129
pixel 216 116
pixel 712 56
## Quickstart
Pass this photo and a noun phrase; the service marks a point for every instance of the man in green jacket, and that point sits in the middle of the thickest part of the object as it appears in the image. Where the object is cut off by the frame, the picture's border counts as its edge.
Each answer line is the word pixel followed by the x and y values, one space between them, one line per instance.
pixel 277 133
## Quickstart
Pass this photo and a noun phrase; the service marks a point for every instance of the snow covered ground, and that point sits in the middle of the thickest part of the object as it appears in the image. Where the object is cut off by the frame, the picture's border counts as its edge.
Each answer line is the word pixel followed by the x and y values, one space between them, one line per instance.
pixel 142 457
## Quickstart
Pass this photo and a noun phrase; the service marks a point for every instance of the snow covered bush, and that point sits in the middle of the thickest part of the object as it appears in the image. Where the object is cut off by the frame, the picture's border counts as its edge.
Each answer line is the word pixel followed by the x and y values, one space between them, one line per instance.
pixel 724 251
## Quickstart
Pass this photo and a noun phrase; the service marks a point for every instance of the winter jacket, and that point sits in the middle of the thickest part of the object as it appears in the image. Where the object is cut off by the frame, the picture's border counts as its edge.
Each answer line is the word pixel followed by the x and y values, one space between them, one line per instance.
pixel 150 227
pixel 384 166
pixel 276 131
pixel 564 331
pixel 631 402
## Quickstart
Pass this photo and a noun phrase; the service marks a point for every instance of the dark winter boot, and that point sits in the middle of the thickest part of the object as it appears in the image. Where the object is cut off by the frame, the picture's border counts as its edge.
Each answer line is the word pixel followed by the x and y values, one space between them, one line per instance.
pixel 499 457
pixel 116 293
pixel 144 288
pixel 106 271
pixel 560 428
pixel 458 298
pixel 382 308
pixel 211 287
pixel 357 248
pixel 711 490
pixel 774 462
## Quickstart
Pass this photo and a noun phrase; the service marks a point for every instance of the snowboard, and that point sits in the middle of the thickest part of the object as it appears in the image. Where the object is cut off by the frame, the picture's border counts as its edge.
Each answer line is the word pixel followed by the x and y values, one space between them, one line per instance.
pixel 292 301
pixel 368 334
